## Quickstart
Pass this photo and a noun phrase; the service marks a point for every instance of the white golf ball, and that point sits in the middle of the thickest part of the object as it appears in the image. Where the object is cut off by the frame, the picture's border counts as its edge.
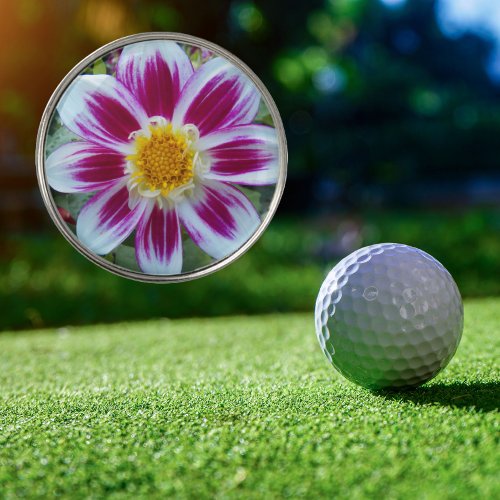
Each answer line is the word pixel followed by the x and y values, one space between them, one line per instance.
pixel 389 316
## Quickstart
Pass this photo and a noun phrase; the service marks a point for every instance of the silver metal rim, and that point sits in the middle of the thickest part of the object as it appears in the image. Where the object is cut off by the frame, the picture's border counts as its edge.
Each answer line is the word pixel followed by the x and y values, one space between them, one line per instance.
pixel 47 195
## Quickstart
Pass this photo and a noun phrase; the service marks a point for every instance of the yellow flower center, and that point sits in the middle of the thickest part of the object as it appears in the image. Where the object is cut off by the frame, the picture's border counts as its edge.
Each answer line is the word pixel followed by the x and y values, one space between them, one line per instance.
pixel 163 160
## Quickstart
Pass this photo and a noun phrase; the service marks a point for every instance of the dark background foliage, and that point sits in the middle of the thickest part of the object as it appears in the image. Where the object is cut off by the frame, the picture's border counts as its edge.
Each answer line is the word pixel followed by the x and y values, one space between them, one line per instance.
pixel 392 122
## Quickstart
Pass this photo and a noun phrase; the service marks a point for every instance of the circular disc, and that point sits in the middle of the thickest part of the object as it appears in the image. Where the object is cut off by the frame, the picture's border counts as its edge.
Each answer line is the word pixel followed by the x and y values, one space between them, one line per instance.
pixel 161 157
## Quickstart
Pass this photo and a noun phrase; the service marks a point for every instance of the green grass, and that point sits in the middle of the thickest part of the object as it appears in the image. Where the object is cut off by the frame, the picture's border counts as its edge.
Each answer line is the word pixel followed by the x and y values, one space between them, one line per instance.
pixel 45 282
pixel 239 407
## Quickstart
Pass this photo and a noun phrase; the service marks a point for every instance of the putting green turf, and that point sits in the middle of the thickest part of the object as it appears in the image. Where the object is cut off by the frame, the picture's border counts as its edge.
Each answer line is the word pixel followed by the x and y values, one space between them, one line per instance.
pixel 237 407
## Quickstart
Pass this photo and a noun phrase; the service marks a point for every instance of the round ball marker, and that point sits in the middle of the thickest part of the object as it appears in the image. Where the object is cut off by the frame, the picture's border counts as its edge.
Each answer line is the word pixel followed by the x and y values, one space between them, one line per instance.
pixel 161 157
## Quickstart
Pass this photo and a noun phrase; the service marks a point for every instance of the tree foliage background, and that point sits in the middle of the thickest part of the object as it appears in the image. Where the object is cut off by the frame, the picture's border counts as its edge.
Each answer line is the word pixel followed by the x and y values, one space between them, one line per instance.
pixel 392 126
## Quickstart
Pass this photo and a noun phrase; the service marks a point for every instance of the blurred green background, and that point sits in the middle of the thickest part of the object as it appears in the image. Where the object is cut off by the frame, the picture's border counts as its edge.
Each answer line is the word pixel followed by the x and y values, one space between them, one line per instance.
pixel 392 113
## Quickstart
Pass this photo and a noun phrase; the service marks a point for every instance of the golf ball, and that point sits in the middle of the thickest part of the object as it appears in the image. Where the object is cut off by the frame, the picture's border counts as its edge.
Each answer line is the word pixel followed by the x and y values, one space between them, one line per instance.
pixel 389 316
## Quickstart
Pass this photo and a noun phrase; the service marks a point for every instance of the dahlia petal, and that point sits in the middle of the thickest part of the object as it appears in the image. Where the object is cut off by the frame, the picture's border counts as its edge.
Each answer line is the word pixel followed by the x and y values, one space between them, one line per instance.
pixel 106 220
pixel 218 217
pixel 102 110
pixel 217 95
pixel 158 244
pixel 79 167
pixel 155 72
pixel 245 154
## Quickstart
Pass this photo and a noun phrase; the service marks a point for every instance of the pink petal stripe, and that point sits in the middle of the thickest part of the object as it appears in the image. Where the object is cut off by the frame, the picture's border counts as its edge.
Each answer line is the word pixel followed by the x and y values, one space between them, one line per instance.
pixel 155 72
pixel 102 110
pixel 219 218
pixel 245 154
pixel 106 220
pixel 217 95
pixel 83 167
pixel 158 244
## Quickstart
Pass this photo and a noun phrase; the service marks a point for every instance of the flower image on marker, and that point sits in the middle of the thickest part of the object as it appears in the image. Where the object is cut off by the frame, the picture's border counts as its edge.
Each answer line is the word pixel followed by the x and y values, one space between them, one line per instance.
pixel 164 148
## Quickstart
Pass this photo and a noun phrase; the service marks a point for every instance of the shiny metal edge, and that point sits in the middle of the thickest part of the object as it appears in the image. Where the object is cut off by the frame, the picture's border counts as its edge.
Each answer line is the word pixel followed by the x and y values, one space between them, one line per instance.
pixel 47 195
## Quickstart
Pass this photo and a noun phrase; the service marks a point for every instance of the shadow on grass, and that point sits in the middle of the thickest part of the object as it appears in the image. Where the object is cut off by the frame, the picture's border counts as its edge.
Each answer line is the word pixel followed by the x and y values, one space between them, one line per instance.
pixel 482 396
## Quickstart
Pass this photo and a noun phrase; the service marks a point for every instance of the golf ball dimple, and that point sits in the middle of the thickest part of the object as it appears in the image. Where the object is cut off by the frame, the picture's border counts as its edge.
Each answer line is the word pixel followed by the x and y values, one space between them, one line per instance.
pixel 389 316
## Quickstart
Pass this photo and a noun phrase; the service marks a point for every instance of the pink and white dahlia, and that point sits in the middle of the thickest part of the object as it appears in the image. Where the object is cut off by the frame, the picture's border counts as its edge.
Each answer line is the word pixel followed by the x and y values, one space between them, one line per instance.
pixel 163 145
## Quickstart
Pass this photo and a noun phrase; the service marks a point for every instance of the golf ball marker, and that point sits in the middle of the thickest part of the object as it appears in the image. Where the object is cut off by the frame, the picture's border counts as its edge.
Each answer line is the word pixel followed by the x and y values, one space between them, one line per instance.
pixel 389 316
pixel 161 157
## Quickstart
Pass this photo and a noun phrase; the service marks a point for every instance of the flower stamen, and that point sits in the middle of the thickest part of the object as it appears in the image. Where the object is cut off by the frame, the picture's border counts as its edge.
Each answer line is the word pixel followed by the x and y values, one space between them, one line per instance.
pixel 163 159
